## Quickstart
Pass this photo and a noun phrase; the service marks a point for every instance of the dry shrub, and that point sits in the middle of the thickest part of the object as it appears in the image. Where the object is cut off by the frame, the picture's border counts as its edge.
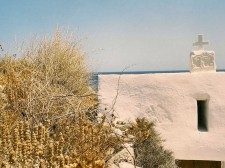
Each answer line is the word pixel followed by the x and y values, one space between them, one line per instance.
pixel 148 146
pixel 49 86
pixel 50 81
pixel 26 145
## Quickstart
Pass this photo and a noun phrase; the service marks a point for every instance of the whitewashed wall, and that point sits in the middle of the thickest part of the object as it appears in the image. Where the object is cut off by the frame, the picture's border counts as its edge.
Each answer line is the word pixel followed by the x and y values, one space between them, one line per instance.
pixel 171 100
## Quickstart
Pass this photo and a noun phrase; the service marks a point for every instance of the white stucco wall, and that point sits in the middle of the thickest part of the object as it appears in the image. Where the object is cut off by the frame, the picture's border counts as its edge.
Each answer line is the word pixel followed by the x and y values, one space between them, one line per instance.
pixel 171 100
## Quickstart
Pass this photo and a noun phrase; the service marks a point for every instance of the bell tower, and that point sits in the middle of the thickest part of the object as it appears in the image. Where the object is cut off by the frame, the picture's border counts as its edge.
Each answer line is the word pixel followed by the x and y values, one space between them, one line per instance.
pixel 200 59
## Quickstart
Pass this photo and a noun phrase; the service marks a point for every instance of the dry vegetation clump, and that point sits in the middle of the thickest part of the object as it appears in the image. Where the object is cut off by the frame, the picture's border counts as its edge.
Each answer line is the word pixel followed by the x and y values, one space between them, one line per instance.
pixel 26 145
pixel 49 81
pixel 148 146
pixel 48 109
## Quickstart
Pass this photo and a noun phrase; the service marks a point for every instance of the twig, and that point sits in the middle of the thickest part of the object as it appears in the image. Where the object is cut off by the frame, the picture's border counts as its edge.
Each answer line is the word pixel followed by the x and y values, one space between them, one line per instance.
pixel 70 95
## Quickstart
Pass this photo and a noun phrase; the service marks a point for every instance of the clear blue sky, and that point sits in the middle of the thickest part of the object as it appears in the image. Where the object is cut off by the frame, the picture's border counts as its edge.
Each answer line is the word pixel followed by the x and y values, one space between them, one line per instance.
pixel 148 34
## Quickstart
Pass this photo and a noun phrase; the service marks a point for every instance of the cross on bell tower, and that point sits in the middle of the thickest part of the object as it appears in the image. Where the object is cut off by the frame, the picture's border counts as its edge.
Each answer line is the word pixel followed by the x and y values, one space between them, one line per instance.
pixel 200 43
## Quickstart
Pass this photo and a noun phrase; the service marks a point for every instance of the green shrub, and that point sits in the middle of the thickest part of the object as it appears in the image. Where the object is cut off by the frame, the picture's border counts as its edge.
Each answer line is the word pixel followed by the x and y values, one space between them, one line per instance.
pixel 148 147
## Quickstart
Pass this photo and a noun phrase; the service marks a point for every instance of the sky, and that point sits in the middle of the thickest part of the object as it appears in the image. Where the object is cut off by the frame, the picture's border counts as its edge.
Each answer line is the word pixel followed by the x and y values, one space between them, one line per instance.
pixel 140 35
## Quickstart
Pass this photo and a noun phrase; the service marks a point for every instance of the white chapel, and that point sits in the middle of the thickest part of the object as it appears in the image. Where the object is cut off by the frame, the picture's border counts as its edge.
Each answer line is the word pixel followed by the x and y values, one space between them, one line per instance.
pixel 188 107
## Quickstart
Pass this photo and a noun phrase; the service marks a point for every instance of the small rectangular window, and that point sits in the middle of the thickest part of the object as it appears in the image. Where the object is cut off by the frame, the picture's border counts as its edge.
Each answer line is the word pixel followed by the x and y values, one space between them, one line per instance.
pixel 202 115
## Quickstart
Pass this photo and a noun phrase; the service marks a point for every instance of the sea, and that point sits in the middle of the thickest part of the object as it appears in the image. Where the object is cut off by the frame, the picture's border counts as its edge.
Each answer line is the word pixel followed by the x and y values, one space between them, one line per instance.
pixel 94 80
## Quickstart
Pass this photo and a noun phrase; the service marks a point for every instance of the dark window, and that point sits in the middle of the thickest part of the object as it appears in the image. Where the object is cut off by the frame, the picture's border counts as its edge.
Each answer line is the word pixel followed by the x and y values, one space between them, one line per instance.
pixel 202 115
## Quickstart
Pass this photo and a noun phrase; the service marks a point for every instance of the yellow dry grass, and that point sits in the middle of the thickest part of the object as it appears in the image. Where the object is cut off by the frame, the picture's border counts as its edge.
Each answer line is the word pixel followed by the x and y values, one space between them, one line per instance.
pixel 51 80
pixel 48 109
